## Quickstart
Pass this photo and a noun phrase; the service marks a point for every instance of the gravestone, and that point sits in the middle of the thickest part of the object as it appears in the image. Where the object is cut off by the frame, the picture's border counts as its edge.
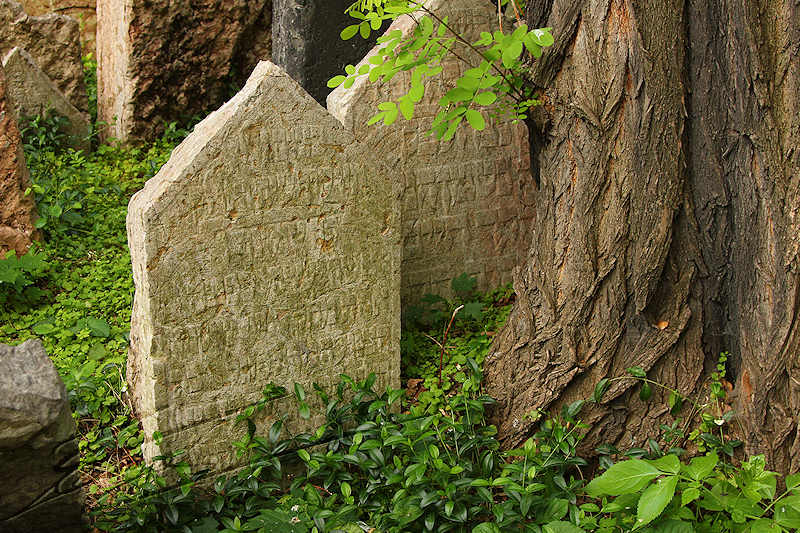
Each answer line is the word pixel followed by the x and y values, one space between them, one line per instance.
pixel 265 250
pixel 466 204
pixel 54 43
pixel 306 42
pixel 17 211
pixel 39 459
pixel 83 12
pixel 32 93
pixel 166 60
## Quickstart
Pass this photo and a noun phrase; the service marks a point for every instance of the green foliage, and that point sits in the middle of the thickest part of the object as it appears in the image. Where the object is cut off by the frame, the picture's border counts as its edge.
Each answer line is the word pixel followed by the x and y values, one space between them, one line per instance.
pixel 18 275
pixel 492 81
pixel 75 290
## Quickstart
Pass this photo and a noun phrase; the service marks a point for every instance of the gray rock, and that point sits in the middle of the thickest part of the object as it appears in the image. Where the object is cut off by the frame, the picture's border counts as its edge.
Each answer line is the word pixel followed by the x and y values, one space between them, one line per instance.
pixel 32 93
pixel 38 452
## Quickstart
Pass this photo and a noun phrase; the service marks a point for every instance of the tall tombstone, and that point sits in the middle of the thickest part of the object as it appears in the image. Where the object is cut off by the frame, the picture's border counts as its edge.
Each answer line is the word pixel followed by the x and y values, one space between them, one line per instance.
pixel 466 204
pixel 17 210
pixel 41 489
pixel 166 60
pixel 54 42
pixel 265 250
pixel 306 42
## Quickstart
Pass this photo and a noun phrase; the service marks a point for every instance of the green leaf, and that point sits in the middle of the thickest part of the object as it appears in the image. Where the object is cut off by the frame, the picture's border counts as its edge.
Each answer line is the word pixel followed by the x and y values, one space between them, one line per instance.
pixel 475 119
pixel 304 410
pixel 349 32
pixel 98 327
pixel 485 98
pixel 792 481
pixel 699 468
pixel 512 53
pixel 364 29
pixel 561 527
pixel 655 499
pixel 646 392
pixel 764 525
pixel 486 527
pixel 636 371
pixel 600 389
pixel 44 328
pixel 299 392
pixel 304 455
pixel 689 495
pixel 336 81
pixel 406 106
pixel 669 463
pixel 625 477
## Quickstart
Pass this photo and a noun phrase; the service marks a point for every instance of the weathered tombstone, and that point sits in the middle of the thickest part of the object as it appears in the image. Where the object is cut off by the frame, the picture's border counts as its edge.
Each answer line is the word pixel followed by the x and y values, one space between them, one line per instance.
pixel 83 12
pixel 465 204
pixel 32 93
pixel 306 42
pixel 54 43
pixel 166 60
pixel 17 211
pixel 265 250
pixel 38 452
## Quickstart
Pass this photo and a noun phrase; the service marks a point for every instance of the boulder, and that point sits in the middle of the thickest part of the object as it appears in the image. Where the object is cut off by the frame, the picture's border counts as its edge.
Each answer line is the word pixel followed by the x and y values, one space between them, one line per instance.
pixel 38 450
pixel 54 43
pixel 32 93
pixel 17 211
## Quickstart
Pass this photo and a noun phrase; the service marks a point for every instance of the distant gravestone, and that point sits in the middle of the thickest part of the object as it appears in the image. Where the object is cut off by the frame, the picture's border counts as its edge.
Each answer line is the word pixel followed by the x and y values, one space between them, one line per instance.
pixel 39 459
pixel 306 42
pixel 17 210
pixel 166 60
pixel 33 93
pixel 54 43
pixel 83 12
pixel 265 250
pixel 466 204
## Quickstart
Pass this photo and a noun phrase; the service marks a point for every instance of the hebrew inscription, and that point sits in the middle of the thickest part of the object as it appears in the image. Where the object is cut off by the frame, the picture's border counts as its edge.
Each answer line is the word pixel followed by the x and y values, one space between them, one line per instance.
pixel 266 250
pixel 466 205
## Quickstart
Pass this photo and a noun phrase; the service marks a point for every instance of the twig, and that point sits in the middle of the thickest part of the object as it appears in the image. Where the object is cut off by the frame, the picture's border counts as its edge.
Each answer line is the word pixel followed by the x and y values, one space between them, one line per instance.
pixel 444 342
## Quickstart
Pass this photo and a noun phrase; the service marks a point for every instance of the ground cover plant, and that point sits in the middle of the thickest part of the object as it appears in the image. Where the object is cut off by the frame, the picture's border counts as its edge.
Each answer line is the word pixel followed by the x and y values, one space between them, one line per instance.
pixel 74 290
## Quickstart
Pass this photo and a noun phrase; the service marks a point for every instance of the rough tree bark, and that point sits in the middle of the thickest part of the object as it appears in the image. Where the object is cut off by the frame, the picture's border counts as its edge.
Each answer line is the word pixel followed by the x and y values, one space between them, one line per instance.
pixel 666 221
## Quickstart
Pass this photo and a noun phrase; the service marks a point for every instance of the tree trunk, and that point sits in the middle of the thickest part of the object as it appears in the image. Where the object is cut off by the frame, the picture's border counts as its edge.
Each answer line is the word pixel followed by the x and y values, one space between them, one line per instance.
pixel 666 226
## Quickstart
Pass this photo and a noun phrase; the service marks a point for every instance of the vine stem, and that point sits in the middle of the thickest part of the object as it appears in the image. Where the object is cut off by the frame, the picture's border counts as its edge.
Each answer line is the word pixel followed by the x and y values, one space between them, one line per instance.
pixel 444 342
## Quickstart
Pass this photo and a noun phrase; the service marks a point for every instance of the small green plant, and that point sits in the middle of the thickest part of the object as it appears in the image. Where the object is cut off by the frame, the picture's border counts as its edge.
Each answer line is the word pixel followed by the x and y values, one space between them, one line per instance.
pixel 18 276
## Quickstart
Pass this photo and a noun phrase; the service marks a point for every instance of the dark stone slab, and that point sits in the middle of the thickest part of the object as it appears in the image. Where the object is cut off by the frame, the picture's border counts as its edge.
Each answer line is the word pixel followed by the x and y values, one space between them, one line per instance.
pixel 306 42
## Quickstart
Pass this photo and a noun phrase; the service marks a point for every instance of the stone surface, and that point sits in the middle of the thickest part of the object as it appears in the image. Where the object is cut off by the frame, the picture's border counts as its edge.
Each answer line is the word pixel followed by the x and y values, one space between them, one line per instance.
pixel 166 60
pixel 466 205
pixel 53 41
pixel 83 12
pixel 306 42
pixel 17 211
pixel 32 93
pixel 266 250
pixel 38 451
